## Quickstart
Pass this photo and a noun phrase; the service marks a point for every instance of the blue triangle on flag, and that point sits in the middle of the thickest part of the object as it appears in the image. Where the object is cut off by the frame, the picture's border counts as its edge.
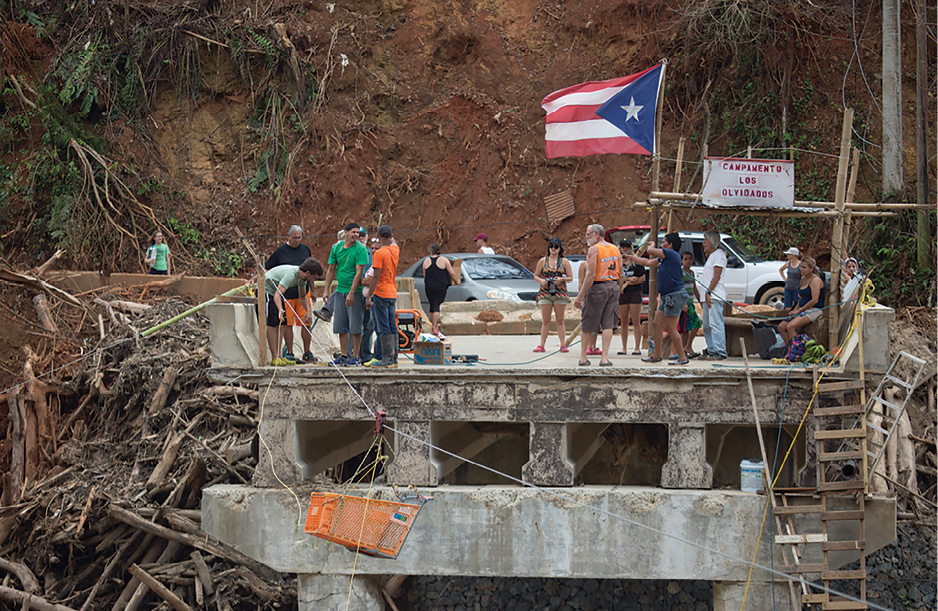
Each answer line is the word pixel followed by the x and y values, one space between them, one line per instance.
pixel 632 110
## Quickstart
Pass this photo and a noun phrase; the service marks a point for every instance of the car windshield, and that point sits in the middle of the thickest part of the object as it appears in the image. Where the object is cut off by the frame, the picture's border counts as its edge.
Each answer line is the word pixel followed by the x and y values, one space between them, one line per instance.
pixel 740 250
pixel 485 268
pixel 730 241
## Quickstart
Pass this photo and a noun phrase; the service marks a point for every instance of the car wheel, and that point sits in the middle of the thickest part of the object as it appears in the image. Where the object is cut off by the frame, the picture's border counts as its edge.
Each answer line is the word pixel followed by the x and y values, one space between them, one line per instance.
pixel 774 297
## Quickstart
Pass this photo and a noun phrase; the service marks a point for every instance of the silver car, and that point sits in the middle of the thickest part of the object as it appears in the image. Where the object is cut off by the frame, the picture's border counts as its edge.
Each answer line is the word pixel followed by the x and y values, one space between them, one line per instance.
pixel 483 277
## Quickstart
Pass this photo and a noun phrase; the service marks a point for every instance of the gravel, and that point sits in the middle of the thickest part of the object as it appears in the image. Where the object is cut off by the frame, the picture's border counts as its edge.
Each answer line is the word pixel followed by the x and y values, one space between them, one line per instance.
pixel 900 576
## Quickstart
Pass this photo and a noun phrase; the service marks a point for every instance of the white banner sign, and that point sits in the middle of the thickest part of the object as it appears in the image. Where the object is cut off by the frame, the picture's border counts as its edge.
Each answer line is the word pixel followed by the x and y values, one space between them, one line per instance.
pixel 768 183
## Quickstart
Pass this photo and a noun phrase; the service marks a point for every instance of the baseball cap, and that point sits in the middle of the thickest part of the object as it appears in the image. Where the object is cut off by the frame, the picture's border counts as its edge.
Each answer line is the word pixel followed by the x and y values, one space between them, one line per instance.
pixel 792 251
pixel 624 242
pixel 384 231
pixel 362 231
pixel 481 236
pixel 674 239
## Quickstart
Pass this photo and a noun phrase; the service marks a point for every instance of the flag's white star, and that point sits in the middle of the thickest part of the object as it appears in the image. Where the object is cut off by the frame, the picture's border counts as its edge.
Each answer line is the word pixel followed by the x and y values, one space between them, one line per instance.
pixel 631 110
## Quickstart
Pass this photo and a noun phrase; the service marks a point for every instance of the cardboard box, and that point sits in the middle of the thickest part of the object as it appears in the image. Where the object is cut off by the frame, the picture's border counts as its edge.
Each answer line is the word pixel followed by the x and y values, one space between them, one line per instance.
pixel 433 353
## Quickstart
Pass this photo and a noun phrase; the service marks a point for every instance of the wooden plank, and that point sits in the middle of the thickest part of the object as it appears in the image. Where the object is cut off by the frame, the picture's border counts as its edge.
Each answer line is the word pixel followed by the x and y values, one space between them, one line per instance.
pixel 842 605
pixel 854 484
pixel 838 386
pixel 813 599
pixel 798 509
pixel 840 410
pixel 831 456
pixel 842 515
pixel 848 574
pixel 843 546
pixel 799 539
pixel 840 434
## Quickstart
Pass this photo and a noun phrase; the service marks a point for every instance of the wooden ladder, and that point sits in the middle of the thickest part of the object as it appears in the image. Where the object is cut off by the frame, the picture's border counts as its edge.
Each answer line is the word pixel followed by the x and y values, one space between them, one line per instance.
pixel 841 476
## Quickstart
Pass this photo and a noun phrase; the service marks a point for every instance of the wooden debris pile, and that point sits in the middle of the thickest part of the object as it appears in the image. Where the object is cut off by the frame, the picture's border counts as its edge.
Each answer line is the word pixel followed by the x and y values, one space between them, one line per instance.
pixel 100 508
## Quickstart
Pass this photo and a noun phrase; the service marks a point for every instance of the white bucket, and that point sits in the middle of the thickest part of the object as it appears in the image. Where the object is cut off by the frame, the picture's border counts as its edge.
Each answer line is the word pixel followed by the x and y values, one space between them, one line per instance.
pixel 750 475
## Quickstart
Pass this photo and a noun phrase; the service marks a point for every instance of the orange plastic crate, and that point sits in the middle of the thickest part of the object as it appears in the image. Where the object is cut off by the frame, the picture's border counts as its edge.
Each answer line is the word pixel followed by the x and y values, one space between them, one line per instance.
pixel 373 527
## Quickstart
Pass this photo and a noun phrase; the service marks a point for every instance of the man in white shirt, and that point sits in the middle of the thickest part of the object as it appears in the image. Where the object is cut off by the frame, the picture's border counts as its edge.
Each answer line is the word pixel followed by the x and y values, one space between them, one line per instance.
pixel 481 241
pixel 715 296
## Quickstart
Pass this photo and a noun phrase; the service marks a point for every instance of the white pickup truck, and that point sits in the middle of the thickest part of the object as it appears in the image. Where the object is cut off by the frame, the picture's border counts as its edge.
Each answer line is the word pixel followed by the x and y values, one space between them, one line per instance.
pixel 747 277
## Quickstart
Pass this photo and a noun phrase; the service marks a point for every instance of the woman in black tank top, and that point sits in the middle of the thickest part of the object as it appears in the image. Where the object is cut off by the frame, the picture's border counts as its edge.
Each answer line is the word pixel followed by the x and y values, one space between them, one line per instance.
pixel 438 274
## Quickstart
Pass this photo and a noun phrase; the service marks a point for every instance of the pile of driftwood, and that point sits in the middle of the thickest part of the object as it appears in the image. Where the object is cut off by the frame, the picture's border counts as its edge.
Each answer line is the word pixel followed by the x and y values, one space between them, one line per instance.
pixel 110 453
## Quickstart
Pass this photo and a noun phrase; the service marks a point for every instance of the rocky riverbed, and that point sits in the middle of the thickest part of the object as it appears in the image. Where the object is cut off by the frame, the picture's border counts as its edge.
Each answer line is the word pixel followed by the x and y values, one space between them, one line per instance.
pixel 901 576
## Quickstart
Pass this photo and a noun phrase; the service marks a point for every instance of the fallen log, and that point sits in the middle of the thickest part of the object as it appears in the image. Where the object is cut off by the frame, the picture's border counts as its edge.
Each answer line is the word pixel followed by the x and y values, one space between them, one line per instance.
pixel 162 392
pixel 162 591
pixel 45 314
pixel 37 284
pixel 26 577
pixel 42 269
pixel 130 306
pixel 30 601
pixel 205 576
pixel 203 542
pixel 170 450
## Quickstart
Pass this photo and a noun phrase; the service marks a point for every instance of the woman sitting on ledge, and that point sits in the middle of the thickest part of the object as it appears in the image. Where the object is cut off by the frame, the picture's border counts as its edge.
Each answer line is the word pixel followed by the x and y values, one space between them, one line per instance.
pixel 810 301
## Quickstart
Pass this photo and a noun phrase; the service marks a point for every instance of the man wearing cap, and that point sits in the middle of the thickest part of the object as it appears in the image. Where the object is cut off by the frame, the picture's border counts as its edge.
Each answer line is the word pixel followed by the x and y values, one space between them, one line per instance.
pixel 599 293
pixel 293 252
pixel 347 261
pixel 382 299
pixel 481 241
pixel 277 282
pixel 671 292
pixel 715 297
pixel 791 272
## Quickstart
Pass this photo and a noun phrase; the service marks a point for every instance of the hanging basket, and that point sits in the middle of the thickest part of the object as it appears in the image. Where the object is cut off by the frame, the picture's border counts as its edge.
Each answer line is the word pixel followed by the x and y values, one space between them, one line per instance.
pixel 373 527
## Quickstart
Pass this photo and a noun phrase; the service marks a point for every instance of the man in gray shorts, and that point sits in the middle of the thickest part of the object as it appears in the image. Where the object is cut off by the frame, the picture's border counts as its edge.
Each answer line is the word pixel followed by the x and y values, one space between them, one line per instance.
pixel 347 262
pixel 599 293
pixel 672 294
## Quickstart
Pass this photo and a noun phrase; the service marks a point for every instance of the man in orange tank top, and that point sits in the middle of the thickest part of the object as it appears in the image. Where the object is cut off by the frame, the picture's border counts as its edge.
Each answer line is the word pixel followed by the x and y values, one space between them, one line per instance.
pixel 599 294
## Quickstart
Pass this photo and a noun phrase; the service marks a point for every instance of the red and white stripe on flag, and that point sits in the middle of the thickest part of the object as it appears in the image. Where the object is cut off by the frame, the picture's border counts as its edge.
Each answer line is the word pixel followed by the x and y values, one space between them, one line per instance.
pixel 575 130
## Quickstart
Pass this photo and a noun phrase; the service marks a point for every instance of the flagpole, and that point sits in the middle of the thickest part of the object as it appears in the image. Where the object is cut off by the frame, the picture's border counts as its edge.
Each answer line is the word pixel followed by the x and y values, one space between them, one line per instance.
pixel 655 181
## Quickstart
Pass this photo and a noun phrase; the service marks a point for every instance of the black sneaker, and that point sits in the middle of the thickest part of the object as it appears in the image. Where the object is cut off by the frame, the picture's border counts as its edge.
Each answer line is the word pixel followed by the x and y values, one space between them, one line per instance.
pixel 309 358
pixel 289 356
pixel 323 315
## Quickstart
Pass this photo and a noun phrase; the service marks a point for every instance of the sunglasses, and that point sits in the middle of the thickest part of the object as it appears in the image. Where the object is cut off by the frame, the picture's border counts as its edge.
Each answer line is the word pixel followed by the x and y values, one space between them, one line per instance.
pixel 553 246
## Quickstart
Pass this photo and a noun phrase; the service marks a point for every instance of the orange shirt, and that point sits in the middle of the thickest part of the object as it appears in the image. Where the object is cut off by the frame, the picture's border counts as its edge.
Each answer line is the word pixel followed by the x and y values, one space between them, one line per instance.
pixel 608 262
pixel 386 259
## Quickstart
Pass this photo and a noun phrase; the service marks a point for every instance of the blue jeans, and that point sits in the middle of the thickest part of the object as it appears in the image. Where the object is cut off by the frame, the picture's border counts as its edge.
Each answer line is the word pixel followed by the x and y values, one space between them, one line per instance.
pixel 714 331
pixel 791 296
pixel 383 311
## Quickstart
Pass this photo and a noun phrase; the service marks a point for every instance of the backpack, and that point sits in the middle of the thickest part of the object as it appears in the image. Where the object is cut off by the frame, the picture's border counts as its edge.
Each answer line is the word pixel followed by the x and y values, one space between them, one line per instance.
pixel 796 348
pixel 769 341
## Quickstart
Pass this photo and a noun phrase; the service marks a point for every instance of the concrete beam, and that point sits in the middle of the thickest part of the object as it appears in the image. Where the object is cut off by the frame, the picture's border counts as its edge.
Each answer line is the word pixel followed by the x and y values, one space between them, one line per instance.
pixel 459 438
pixel 412 462
pixel 548 465
pixel 686 466
pixel 512 531
pixel 323 445
pixel 317 592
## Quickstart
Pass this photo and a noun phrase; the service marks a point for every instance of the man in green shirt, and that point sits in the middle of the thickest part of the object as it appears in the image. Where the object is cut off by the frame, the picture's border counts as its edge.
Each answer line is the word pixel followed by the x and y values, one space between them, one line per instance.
pixel 276 283
pixel 347 262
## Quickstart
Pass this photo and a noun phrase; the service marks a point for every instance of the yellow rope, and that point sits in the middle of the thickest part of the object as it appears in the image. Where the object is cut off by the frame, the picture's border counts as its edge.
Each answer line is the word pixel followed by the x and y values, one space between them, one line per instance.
pixel 358 547
pixel 864 300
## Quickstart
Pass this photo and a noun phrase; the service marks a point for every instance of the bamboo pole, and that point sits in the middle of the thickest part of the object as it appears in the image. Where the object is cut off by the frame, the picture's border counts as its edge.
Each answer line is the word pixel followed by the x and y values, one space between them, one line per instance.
pixel 261 319
pixel 837 244
pixel 191 311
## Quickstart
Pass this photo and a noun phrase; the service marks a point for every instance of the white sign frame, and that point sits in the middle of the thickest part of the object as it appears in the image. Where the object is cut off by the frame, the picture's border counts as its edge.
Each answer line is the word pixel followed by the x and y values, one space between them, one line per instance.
pixel 752 183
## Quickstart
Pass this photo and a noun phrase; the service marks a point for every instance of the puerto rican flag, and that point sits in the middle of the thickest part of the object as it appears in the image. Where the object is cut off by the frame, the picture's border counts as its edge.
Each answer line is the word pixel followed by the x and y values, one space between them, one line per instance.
pixel 615 116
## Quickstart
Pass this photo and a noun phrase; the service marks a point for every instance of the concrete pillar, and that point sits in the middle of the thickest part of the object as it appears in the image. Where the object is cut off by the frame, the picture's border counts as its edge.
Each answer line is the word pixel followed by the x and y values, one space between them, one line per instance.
pixel 276 454
pixel 548 465
pixel 728 596
pixel 411 463
pixel 233 334
pixel 687 457
pixel 317 592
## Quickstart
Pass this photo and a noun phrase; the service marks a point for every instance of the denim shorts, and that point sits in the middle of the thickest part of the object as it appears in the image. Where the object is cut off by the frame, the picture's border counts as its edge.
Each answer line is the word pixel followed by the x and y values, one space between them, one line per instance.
pixel 672 303
pixel 348 319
